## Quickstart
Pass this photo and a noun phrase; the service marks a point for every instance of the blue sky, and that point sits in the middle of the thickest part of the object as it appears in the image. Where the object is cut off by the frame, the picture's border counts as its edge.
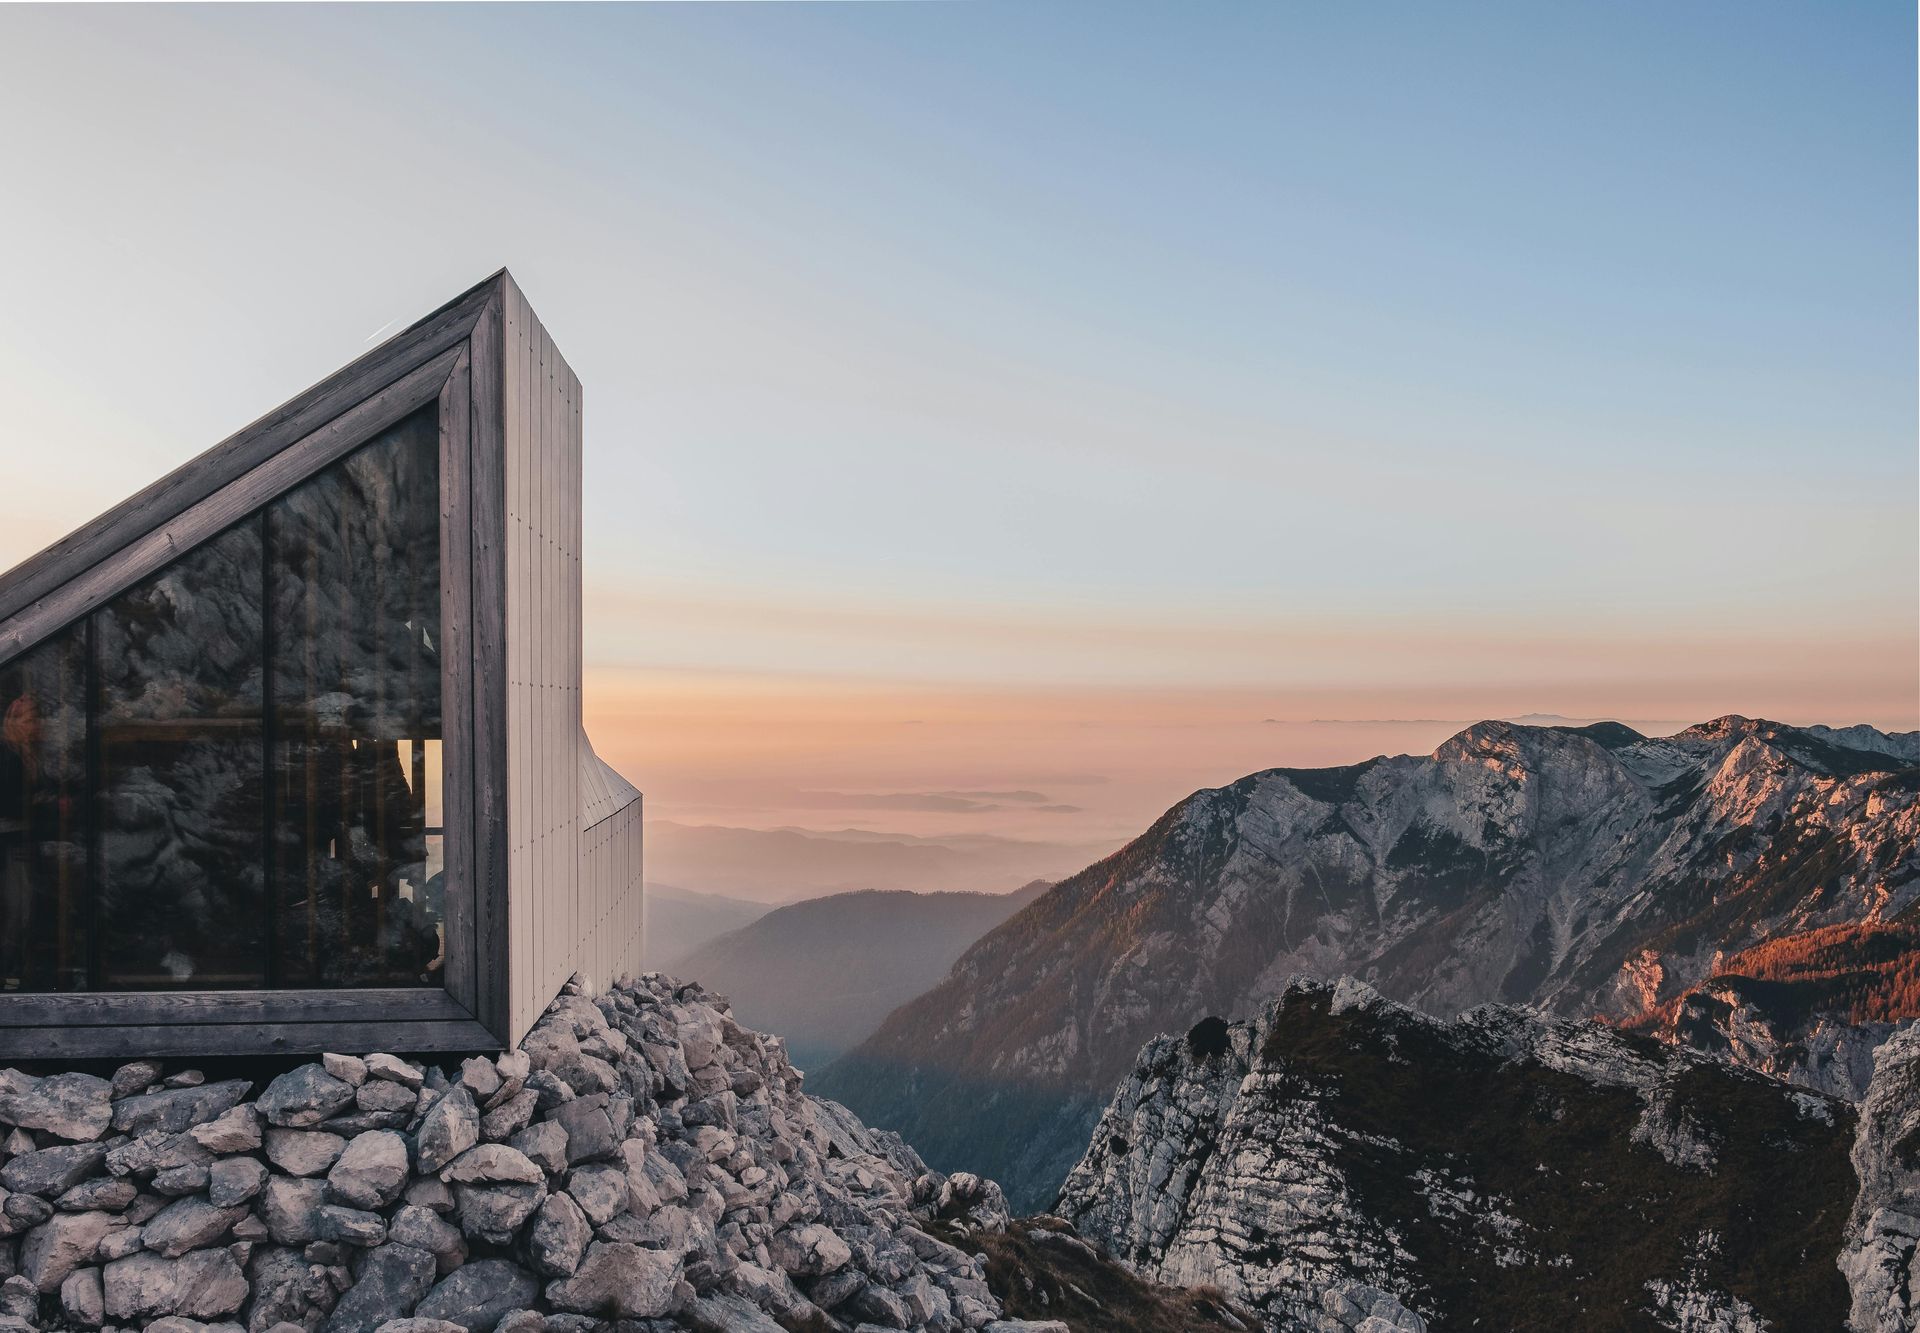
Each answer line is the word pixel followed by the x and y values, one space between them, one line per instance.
pixel 1359 360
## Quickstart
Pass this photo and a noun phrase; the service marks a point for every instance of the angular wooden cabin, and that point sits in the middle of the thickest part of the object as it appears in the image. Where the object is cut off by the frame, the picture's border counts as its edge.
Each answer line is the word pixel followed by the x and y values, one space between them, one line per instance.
pixel 291 755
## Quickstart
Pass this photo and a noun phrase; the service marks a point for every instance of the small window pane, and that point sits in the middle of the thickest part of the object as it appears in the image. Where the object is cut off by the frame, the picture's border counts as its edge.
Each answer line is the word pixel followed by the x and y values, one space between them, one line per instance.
pixel 182 829
pixel 43 887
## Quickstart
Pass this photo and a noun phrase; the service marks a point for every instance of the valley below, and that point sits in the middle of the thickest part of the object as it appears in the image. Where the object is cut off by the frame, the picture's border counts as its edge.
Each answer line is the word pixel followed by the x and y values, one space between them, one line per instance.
pixel 826 972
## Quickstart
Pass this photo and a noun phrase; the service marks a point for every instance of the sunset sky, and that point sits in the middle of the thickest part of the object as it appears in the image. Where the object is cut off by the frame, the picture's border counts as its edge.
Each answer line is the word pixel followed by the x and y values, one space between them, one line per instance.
pixel 1006 418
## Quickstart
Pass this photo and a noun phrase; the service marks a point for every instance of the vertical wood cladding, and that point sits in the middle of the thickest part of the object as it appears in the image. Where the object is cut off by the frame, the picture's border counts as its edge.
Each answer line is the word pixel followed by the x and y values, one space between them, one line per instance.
pixel 610 870
pixel 573 879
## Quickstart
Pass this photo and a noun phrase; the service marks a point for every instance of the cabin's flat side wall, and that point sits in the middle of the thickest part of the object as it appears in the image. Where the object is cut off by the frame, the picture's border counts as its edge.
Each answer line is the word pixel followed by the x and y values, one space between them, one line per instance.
pixel 610 872
pixel 541 398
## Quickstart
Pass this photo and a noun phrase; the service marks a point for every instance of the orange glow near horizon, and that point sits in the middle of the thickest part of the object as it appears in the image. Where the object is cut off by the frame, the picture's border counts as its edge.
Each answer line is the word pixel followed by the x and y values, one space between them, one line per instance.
pixel 1096 762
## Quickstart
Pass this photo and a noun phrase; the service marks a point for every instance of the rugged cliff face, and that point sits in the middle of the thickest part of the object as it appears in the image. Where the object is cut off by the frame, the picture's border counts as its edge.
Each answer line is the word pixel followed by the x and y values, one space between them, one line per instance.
pixel 1744 887
pixel 1344 1162
pixel 1885 1227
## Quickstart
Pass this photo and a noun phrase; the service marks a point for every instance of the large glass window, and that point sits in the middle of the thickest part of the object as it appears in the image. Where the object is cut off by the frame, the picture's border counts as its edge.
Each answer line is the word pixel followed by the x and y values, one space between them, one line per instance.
pixel 229 775
pixel 179 875
pixel 354 573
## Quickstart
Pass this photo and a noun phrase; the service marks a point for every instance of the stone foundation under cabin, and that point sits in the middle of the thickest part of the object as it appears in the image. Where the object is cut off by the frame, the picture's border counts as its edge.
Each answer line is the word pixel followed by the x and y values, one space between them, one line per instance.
pixel 640 1163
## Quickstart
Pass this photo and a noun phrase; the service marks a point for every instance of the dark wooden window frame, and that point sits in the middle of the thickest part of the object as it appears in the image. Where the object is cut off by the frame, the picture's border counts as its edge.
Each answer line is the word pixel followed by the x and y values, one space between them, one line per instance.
pixel 452 359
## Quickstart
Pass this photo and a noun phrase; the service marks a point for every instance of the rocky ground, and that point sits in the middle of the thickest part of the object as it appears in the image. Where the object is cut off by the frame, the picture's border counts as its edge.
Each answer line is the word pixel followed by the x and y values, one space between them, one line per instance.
pixel 1042 1269
pixel 642 1163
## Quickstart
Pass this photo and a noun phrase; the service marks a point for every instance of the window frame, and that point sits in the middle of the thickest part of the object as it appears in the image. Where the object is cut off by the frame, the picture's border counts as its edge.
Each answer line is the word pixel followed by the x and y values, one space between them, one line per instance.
pixel 451 360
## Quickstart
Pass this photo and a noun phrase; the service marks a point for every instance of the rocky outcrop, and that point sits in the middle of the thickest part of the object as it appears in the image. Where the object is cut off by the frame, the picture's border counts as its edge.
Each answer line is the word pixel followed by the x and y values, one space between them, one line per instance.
pixel 1746 887
pixel 1346 1163
pixel 1879 1261
pixel 641 1158
pixel 1771 1026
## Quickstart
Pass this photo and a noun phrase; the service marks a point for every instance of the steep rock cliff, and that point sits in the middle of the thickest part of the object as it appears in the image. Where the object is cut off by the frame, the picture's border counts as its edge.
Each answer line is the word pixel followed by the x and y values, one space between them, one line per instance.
pixel 1343 1162
pixel 1885 1226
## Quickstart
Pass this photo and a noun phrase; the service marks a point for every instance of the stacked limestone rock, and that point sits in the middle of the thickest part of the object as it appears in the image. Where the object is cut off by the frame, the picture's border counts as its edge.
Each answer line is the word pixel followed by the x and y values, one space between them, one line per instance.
pixel 641 1162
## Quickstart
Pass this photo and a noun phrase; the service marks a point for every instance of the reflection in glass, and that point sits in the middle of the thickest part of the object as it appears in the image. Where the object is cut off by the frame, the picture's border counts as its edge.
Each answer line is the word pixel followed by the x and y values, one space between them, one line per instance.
pixel 43 890
pixel 181 881
pixel 229 776
pixel 354 574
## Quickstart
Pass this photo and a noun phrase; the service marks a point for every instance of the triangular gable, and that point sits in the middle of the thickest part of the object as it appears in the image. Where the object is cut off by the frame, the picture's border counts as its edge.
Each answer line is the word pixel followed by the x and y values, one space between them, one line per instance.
pixel 296 439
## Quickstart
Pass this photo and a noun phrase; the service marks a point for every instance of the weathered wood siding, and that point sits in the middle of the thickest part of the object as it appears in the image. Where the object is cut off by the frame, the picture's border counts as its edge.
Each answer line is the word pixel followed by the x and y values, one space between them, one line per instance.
pixel 610 870
pixel 573 876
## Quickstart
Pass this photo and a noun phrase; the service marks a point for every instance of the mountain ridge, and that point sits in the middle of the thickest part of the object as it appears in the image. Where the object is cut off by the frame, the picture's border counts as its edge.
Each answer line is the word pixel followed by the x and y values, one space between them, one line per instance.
pixel 1588 870
pixel 775 866
pixel 679 921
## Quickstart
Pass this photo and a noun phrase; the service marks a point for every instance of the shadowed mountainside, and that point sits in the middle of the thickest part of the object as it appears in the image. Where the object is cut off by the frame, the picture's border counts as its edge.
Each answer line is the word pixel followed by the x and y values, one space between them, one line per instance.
pixel 1498 1171
pixel 827 971
pixel 680 921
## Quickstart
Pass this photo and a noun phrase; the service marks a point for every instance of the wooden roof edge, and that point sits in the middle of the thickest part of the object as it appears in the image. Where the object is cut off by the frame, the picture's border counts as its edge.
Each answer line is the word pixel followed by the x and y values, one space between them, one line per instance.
pixel 244 450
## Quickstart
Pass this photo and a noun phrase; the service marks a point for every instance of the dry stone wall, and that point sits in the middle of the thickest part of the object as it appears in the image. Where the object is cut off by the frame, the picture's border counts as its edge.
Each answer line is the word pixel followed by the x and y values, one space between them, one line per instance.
pixel 641 1163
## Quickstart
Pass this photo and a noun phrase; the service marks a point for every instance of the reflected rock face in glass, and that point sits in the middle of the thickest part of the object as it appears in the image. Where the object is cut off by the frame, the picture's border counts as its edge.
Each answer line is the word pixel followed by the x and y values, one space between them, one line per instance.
pixel 182 885
pixel 229 775
pixel 43 835
pixel 354 579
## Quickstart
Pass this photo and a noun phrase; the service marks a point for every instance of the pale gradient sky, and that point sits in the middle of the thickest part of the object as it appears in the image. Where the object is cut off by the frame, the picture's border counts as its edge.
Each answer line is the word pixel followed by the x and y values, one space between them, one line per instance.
pixel 983 393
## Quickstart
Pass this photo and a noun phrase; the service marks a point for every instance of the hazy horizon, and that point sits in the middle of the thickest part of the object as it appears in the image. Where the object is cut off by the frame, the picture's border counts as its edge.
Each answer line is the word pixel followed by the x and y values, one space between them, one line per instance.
pixel 1008 419
pixel 1043 837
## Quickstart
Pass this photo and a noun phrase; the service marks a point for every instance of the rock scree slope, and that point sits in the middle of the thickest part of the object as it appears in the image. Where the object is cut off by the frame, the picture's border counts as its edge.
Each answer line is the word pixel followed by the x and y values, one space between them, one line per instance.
pixel 641 1163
